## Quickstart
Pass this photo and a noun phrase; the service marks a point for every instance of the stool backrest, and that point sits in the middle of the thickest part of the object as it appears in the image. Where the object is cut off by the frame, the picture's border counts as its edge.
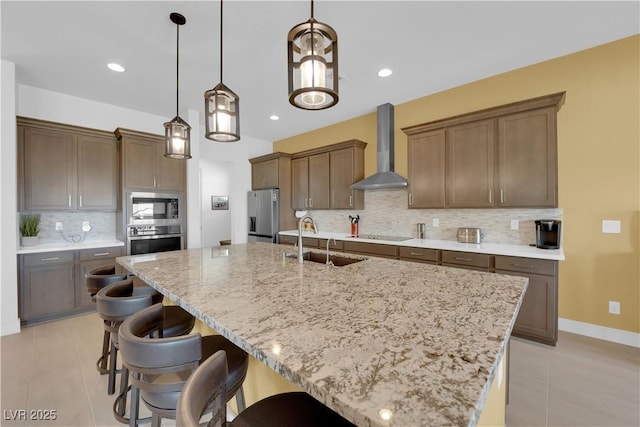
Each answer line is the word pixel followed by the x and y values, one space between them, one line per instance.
pixel 117 301
pixel 205 391
pixel 100 277
pixel 149 359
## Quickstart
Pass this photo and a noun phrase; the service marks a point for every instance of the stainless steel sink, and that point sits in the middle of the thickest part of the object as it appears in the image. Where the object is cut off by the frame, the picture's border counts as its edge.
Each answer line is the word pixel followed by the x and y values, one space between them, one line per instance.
pixel 336 260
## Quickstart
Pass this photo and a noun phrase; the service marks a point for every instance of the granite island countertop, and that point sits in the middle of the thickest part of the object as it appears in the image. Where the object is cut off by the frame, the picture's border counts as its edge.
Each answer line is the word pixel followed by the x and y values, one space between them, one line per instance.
pixel 421 341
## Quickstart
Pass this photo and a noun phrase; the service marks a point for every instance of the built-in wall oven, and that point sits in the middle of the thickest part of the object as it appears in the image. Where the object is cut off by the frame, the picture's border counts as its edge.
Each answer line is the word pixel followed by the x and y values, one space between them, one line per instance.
pixel 146 239
pixel 154 222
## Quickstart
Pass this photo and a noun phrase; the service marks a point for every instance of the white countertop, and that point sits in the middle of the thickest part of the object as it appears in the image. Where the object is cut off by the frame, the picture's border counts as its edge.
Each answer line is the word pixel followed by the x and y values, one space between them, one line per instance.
pixel 524 251
pixel 66 246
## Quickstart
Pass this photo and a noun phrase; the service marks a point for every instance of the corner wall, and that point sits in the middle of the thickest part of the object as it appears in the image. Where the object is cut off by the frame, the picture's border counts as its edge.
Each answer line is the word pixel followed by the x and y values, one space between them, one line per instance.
pixel 9 321
pixel 598 162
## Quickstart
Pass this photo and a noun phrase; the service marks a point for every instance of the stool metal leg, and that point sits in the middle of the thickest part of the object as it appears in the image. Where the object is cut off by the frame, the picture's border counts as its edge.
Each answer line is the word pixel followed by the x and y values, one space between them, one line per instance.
pixel 113 360
pixel 240 400
pixel 101 364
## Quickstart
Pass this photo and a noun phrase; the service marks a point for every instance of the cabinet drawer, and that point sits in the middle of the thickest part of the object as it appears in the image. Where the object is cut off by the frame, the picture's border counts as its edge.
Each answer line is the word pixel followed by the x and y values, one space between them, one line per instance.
pixel 48 258
pixel 287 240
pixel 466 258
pixel 98 253
pixel 374 249
pixel 334 245
pixel 526 265
pixel 418 254
pixel 307 242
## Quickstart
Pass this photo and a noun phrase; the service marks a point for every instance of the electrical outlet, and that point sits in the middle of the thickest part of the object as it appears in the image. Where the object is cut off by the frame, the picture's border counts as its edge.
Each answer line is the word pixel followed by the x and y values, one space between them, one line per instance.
pixel 435 222
pixel 86 226
pixel 611 226
pixel 614 307
pixel 515 224
pixel 58 226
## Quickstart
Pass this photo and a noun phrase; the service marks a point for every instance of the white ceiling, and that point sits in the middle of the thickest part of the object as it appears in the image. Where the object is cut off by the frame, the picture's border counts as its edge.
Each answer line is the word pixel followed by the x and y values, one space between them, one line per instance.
pixel 430 46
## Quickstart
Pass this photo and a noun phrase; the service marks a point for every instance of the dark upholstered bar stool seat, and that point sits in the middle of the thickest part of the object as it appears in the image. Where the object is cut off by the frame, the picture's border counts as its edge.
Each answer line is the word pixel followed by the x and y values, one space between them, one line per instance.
pixel 120 300
pixel 160 366
pixel 95 280
pixel 202 393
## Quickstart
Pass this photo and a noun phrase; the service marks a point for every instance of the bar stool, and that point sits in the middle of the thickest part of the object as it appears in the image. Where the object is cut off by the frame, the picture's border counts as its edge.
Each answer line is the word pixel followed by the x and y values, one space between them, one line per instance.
pixel 203 393
pixel 95 280
pixel 159 367
pixel 120 300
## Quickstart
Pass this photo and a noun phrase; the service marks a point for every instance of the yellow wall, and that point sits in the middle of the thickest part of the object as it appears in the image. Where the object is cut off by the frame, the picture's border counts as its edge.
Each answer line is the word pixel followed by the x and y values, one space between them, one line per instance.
pixel 599 162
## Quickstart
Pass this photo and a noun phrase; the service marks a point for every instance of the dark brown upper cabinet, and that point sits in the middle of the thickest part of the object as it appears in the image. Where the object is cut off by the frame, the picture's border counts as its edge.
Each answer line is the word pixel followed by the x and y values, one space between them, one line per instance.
pixel 503 157
pixel 321 178
pixel 144 166
pixel 64 167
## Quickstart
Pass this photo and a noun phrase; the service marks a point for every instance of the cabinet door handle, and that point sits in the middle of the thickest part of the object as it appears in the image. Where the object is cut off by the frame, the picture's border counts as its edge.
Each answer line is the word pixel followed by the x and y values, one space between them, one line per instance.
pixel 416 253
pixel 50 259
pixel 154 181
pixel 80 200
pixel 350 201
pixel 69 200
pixel 306 202
pixel 464 259
pixel 501 195
pixel 310 202
pixel 410 199
pixel 490 197
pixel 101 254
pixel 523 266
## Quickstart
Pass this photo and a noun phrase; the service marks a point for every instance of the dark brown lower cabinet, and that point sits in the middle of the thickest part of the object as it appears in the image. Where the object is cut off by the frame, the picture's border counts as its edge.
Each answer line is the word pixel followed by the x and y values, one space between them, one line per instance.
pixel 538 317
pixel 47 285
pixel 468 260
pixel 51 284
pixel 373 249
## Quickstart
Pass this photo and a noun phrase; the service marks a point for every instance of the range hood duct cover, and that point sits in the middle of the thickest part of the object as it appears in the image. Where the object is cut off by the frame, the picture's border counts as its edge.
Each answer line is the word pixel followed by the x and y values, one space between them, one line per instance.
pixel 385 177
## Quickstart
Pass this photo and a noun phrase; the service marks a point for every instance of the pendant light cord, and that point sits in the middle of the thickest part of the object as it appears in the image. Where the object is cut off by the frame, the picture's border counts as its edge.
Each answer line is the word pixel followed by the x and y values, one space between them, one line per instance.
pixel 221 80
pixel 177 67
pixel 311 9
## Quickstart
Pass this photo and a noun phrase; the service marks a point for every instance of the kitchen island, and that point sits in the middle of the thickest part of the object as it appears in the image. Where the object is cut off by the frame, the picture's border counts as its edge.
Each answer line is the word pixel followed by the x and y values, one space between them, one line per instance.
pixel 382 342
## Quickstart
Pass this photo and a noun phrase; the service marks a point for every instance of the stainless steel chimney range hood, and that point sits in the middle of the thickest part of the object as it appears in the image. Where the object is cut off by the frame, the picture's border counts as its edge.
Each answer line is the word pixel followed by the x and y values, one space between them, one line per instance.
pixel 385 177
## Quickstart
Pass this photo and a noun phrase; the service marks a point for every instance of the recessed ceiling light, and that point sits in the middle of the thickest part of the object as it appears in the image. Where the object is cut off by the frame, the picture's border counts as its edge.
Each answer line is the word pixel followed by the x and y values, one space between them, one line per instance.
pixel 274 117
pixel 385 72
pixel 116 67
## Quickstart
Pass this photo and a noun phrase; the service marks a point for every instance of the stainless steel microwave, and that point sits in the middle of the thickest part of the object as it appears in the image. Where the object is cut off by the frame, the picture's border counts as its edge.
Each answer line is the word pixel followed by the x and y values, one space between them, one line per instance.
pixel 154 208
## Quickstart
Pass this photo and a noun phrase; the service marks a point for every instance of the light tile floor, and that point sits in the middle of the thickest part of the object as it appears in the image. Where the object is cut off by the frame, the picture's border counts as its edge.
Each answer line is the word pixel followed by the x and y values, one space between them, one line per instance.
pixel 582 382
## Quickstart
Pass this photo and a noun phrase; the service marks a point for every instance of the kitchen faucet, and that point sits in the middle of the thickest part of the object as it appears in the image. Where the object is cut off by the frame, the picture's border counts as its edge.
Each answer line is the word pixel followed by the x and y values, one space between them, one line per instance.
pixel 334 242
pixel 315 230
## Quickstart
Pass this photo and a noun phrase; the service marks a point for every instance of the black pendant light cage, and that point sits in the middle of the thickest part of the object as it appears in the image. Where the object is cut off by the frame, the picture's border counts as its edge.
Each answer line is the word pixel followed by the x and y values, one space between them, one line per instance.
pixel 313 65
pixel 177 132
pixel 222 108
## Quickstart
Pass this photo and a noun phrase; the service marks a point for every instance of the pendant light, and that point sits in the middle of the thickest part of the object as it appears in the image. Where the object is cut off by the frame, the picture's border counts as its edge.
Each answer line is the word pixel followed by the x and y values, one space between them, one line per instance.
pixel 313 65
pixel 177 141
pixel 222 108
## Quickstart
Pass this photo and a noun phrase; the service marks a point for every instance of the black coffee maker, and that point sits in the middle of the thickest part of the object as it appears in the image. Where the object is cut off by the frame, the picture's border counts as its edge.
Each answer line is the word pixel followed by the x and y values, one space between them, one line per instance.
pixel 548 233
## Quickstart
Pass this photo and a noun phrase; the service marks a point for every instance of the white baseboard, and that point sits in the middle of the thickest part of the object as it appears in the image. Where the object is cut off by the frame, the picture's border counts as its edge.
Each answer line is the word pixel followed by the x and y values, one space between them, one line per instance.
pixel 601 332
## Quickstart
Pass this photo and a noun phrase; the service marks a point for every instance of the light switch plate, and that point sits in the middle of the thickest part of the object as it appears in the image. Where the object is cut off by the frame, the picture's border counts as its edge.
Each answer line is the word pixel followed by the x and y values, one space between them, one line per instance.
pixel 515 224
pixel 611 226
pixel 614 307
pixel 58 226
pixel 435 222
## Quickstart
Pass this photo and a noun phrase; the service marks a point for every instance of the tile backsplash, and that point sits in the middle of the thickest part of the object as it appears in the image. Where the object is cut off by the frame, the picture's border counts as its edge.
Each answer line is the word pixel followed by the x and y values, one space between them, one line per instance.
pixel 386 213
pixel 103 226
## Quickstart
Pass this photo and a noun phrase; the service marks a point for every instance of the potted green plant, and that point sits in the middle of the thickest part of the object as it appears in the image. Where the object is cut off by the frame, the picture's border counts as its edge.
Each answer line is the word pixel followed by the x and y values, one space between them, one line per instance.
pixel 29 229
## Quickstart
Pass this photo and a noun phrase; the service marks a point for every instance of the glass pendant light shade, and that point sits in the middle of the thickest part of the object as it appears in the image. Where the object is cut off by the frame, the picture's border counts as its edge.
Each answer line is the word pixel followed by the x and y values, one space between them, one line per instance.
pixel 177 139
pixel 177 132
pixel 313 65
pixel 221 106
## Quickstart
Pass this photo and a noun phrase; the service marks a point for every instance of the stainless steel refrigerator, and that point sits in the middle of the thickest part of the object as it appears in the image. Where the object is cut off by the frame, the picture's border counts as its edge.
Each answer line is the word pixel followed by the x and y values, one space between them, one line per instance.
pixel 264 215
